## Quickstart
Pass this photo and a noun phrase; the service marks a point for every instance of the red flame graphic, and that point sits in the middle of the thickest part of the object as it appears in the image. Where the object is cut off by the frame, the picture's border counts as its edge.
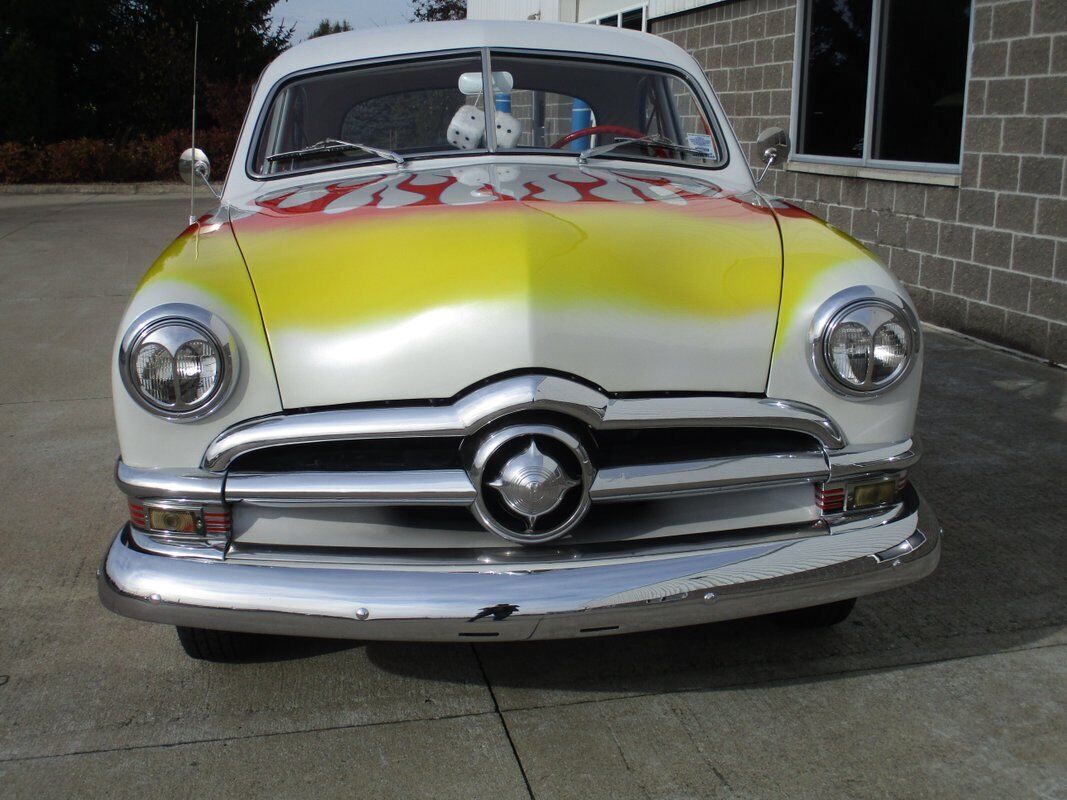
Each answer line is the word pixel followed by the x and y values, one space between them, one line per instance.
pixel 333 192
pixel 431 193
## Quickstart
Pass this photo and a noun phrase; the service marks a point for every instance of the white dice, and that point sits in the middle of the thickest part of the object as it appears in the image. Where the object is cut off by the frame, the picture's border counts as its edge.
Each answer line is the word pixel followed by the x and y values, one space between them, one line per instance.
pixel 507 129
pixel 467 128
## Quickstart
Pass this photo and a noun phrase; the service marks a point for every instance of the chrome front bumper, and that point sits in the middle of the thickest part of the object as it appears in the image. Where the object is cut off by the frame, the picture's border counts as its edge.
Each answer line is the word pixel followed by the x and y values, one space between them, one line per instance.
pixel 586 595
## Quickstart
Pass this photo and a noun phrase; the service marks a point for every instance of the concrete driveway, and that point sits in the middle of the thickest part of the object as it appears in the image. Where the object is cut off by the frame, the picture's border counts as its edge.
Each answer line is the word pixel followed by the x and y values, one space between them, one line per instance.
pixel 953 687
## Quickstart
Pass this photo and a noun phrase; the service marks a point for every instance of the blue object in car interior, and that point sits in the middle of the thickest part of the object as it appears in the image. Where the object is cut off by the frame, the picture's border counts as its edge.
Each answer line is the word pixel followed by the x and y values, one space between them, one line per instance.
pixel 503 102
pixel 581 117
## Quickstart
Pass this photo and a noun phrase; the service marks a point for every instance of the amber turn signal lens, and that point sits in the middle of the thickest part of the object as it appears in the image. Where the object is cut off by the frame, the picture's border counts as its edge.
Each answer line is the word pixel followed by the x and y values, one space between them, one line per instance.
pixel 865 495
pixel 172 520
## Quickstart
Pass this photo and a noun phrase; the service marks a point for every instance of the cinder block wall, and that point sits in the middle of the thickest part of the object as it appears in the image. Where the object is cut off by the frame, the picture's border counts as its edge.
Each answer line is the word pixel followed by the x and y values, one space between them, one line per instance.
pixel 988 258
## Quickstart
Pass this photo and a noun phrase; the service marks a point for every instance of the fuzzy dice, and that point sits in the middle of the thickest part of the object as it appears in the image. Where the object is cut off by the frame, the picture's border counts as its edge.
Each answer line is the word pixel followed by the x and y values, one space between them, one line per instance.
pixel 467 128
pixel 507 129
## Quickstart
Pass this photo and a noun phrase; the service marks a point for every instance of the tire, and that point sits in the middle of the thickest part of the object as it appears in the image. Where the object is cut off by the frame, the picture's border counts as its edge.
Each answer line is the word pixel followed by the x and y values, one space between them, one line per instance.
pixel 210 645
pixel 823 616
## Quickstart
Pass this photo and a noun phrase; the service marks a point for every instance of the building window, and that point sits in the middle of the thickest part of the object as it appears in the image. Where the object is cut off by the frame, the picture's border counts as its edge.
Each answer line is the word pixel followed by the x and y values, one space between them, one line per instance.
pixel 634 18
pixel 881 82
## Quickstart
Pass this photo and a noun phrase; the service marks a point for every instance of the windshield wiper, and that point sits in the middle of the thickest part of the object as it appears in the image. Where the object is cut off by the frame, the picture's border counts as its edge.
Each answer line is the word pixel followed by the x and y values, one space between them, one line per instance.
pixel 655 139
pixel 327 146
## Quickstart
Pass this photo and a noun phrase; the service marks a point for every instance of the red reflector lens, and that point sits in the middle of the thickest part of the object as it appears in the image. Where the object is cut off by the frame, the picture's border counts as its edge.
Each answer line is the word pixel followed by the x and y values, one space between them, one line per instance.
pixel 137 517
pixel 829 499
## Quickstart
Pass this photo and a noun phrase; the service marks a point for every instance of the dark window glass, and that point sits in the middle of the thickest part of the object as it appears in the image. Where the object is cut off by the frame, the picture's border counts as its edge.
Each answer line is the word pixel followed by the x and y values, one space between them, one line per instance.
pixel 407 119
pixel 834 97
pixel 919 113
pixel 632 20
pixel 555 96
pixel 406 107
pixel 920 60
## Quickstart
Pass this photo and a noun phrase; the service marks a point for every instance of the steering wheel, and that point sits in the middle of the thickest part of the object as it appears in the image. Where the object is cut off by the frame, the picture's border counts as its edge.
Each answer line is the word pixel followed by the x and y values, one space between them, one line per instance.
pixel 618 130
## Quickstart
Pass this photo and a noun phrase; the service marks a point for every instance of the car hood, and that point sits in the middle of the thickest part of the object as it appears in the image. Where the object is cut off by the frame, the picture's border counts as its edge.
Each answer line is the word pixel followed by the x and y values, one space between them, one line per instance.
pixel 411 285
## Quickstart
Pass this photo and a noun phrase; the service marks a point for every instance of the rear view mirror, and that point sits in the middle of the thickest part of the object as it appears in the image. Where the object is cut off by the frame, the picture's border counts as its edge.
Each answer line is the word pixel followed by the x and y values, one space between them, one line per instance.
pixel 194 163
pixel 773 146
pixel 470 83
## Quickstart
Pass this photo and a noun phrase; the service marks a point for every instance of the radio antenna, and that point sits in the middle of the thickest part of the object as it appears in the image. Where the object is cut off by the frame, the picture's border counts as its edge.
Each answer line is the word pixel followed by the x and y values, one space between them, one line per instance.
pixel 192 183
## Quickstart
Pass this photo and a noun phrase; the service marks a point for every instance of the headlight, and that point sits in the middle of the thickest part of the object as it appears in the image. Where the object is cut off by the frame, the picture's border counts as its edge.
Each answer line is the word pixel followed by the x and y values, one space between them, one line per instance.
pixel 863 346
pixel 178 361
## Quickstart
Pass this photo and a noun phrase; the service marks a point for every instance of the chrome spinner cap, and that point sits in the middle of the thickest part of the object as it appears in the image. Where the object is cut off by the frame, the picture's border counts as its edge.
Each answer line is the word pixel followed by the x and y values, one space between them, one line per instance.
pixel 532 483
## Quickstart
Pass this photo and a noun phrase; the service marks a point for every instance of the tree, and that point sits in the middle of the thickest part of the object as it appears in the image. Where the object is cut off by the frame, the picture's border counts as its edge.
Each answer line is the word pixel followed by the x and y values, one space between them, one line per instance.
pixel 118 68
pixel 151 53
pixel 326 27
pixel 437 10
pixel 46 59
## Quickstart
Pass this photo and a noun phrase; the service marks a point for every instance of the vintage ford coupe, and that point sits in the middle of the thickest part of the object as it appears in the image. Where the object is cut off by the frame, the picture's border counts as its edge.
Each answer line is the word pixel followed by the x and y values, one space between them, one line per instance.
pixel 494 337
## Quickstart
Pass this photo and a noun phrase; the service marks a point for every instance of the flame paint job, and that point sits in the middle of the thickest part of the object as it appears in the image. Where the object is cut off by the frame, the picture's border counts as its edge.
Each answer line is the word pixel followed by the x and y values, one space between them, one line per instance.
pixel 388 287
pixel 412 285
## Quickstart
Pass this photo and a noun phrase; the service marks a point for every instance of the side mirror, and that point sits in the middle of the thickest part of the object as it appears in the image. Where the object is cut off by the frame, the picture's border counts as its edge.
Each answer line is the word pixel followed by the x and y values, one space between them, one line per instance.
pixel 773 147
pixel 193 165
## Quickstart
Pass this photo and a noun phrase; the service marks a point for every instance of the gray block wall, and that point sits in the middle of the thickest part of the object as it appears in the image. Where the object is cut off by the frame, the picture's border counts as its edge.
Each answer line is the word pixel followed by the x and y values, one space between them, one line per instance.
pixel 989 257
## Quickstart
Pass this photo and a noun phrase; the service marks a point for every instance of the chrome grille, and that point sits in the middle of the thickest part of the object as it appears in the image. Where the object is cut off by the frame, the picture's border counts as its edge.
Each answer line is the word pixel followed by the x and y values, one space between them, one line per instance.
pixel 400 475
pixel 610 448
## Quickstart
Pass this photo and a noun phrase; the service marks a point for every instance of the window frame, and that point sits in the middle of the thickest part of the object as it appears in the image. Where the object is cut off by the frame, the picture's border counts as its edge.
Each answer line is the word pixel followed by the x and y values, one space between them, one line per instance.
pixel 284 82
pixel 717 132
pixel 486 56
pixel 875 57
pixel 599 19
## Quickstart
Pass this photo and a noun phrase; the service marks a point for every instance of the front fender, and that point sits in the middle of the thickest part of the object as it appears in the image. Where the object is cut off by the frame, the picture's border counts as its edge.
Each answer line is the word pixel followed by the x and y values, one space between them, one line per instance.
pixel 818 262
pixel 203 266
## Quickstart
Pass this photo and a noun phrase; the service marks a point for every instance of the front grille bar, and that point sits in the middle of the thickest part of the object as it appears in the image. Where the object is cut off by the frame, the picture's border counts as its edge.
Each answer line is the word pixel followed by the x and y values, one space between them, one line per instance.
pixel 453 487
pixel 654 481
pixel 473 411
pixel 394 488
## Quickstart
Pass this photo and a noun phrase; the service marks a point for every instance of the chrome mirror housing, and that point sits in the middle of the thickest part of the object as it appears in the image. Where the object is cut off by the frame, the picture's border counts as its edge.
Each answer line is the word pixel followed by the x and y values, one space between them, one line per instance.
pixel 193 165
pixel 773 147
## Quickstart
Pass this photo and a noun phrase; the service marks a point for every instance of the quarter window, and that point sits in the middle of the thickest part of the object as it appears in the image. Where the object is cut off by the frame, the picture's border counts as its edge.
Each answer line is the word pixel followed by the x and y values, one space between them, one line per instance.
pixel 882 81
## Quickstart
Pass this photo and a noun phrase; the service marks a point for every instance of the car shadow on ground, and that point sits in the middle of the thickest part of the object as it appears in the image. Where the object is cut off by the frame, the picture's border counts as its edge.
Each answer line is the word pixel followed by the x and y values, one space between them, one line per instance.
pixel 993 428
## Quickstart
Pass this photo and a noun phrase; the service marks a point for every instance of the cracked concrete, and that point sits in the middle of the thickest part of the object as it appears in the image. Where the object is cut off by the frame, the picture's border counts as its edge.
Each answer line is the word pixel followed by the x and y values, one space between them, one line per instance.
pixel 953 687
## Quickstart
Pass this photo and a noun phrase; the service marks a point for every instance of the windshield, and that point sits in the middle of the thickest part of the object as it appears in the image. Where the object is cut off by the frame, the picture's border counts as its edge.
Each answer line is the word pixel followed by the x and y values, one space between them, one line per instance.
pixel 439 106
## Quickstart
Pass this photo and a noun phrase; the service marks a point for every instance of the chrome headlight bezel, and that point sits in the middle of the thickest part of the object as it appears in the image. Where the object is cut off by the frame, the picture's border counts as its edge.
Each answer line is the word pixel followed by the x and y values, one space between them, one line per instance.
pixel 173 325
pixel 845 307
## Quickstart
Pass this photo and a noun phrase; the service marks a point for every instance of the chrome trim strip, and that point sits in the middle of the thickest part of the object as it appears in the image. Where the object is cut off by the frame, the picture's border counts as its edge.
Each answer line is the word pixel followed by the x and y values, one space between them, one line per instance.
pixel 528 392
pixel 851 461
pixel 513 603
pixel 559 556
pixel 169 483
pixel 399 488
pixel 909 545
pixel 649 481
pixel 724 412
pixel 175 549
pixel 454 487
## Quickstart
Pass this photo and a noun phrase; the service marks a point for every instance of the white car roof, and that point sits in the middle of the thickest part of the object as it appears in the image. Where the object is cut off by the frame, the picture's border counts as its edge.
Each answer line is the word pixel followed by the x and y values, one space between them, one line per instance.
pixel 423 37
